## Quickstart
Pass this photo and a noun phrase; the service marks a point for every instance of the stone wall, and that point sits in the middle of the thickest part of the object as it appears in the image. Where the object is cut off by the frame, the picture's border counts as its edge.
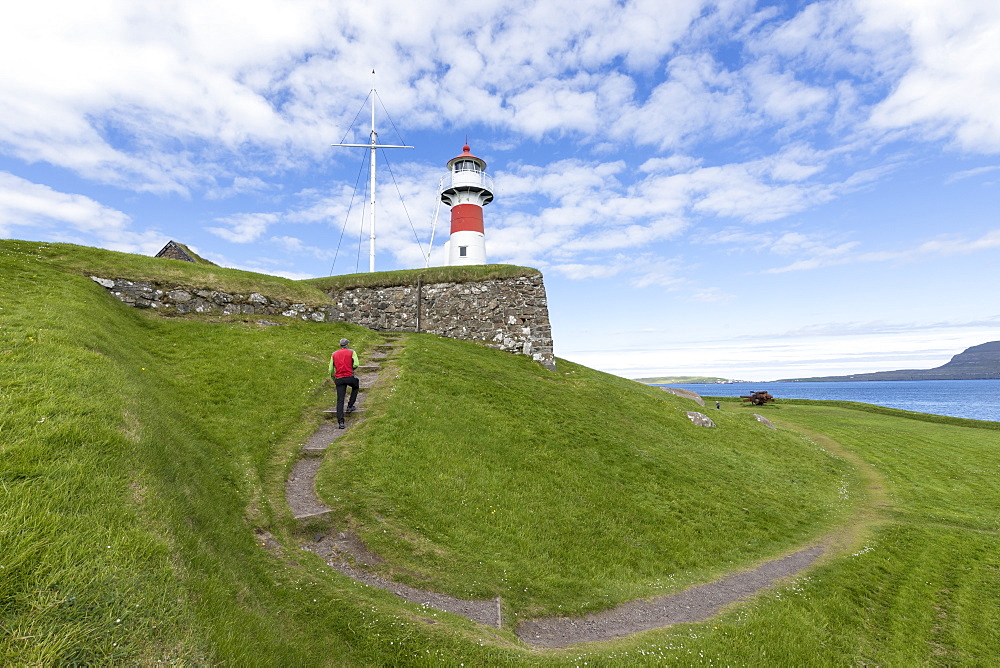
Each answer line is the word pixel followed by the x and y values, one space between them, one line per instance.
pixel 509 314
pixel 175 299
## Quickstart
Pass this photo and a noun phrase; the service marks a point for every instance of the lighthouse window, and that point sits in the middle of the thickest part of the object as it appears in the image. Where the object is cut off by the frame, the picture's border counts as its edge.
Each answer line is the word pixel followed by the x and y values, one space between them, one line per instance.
pixel 465 166
pixel 463 251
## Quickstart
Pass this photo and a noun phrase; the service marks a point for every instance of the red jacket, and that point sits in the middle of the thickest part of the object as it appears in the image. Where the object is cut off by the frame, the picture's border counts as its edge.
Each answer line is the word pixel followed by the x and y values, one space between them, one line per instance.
pixel 343 363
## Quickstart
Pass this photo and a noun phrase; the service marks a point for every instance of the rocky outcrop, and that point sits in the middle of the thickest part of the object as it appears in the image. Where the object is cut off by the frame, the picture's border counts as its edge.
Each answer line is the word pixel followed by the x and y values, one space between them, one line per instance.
pixel 700 419
pixel 687 394
pixel 764 421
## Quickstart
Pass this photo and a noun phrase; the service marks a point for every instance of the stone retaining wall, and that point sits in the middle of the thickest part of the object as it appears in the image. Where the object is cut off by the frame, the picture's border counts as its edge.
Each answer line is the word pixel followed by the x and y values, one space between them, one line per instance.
pixel 509 314
pixel 145 294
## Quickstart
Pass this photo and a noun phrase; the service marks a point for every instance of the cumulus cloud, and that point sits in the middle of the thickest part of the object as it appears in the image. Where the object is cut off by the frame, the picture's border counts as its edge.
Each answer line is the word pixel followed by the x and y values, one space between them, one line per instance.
pixel 68 217
pixel 950 89
pixel 244 228
pixel 665 120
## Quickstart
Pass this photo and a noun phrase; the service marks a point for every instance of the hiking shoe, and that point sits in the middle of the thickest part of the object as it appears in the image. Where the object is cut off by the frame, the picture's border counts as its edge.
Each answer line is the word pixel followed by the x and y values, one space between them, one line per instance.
pixel 351 409
pixel 342 425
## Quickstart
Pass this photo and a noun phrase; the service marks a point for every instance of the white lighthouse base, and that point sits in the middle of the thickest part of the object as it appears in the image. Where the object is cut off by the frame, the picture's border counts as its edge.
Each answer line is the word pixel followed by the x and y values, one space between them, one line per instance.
pixel 466 248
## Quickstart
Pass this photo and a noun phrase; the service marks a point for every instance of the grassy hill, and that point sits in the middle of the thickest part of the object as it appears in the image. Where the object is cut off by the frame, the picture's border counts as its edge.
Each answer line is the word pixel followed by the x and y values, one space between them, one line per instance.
pixel 141 458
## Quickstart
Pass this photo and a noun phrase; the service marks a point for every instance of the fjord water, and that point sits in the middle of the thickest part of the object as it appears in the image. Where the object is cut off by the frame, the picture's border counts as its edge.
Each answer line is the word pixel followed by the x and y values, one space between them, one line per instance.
pixel 975 399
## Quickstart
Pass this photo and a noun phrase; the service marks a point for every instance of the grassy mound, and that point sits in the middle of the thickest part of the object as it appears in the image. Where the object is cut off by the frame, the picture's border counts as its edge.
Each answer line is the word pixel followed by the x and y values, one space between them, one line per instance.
pixel 142 460
pixel 486 475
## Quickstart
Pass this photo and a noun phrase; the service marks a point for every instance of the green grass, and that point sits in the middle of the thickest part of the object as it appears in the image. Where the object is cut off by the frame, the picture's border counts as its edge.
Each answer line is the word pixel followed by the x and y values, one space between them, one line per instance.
pixel 140 455
pixel 567 492
pixel 431 275
pixel 110 264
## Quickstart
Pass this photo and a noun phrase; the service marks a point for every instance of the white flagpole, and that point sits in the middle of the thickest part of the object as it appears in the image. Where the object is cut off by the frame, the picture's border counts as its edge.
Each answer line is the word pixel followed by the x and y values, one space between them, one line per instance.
pixel 372 144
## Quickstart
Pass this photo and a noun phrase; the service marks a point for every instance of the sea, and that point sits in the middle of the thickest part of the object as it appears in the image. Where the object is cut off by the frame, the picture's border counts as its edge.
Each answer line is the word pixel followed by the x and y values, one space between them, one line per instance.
pixel 975 399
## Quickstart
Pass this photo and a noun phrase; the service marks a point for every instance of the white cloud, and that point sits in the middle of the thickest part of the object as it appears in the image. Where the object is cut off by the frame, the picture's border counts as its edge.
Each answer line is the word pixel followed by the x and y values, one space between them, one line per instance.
pixel 780 96
pixel 164 97
pixel 952 86
pixel 699 96
pixel 243 228
pixel 69 217
pixel 969 173
pixel 943 246
pixel 824 351
pixel 240 185
pixel 712 296
pixel 579 271
pixel 24 203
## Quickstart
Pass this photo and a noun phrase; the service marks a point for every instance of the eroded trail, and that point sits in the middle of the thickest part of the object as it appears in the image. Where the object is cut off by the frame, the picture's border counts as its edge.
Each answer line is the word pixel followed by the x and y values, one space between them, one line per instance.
pixel 694 604
pixel 300 488
pixel 702 602
pixel 340 551
pixel 691 605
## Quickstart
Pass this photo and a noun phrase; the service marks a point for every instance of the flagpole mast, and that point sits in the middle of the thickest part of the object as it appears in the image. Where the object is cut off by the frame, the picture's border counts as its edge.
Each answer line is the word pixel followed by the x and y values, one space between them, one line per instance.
pixel 372 145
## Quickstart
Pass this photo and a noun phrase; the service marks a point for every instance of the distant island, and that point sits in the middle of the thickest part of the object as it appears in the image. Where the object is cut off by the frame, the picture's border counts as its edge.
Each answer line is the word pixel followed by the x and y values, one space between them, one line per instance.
pixel 690 380
pixel 976 363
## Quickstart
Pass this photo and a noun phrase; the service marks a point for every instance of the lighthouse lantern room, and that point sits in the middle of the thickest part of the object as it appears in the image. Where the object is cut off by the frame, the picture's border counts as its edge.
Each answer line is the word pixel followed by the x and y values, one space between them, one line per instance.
pixel 466 189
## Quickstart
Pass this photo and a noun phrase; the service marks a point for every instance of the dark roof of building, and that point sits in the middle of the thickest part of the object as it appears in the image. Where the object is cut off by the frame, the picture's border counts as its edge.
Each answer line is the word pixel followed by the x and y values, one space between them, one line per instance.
pixel 178 251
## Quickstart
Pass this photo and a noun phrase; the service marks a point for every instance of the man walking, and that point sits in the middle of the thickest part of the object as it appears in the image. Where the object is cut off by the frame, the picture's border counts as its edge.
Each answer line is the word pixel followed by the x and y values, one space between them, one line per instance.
pixel 342 366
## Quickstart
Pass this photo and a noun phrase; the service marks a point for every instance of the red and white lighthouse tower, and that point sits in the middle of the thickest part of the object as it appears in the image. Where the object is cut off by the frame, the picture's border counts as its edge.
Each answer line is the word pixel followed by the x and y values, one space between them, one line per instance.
pixel 466 189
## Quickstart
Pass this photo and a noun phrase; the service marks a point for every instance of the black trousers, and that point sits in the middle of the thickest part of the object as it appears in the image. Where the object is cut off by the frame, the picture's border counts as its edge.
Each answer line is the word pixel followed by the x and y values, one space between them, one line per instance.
pixel 342 385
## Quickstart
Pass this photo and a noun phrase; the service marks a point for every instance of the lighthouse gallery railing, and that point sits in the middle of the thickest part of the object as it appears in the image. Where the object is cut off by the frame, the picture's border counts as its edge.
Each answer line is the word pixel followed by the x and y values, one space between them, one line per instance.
pixel 466 179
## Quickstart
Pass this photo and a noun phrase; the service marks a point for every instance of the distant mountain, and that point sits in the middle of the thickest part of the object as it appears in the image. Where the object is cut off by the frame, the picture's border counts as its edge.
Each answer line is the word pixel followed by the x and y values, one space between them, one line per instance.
pixel 977 362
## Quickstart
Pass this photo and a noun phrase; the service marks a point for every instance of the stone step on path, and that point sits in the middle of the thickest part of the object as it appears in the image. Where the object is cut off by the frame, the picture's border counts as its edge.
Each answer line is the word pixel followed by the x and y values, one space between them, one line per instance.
pixel 300 489
pixel 323 437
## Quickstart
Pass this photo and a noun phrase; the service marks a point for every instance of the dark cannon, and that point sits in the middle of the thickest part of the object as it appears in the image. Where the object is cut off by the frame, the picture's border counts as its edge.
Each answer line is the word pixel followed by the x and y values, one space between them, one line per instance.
pixel 758 398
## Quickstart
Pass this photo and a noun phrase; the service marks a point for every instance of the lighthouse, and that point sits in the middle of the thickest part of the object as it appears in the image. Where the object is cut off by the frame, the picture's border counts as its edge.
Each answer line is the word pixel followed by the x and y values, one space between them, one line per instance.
pixel 466 189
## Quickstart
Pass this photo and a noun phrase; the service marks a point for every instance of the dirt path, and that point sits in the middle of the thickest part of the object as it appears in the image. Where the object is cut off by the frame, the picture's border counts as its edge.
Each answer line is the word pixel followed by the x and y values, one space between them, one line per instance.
pixel 704 601
pixel 335 550
pixel 300 488
pixel 694 604
pixel 339 552
pixel 691 605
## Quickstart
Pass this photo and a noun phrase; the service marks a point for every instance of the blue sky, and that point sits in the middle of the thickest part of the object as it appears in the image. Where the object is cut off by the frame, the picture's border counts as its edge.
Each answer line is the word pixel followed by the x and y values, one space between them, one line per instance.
pixel 749 190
